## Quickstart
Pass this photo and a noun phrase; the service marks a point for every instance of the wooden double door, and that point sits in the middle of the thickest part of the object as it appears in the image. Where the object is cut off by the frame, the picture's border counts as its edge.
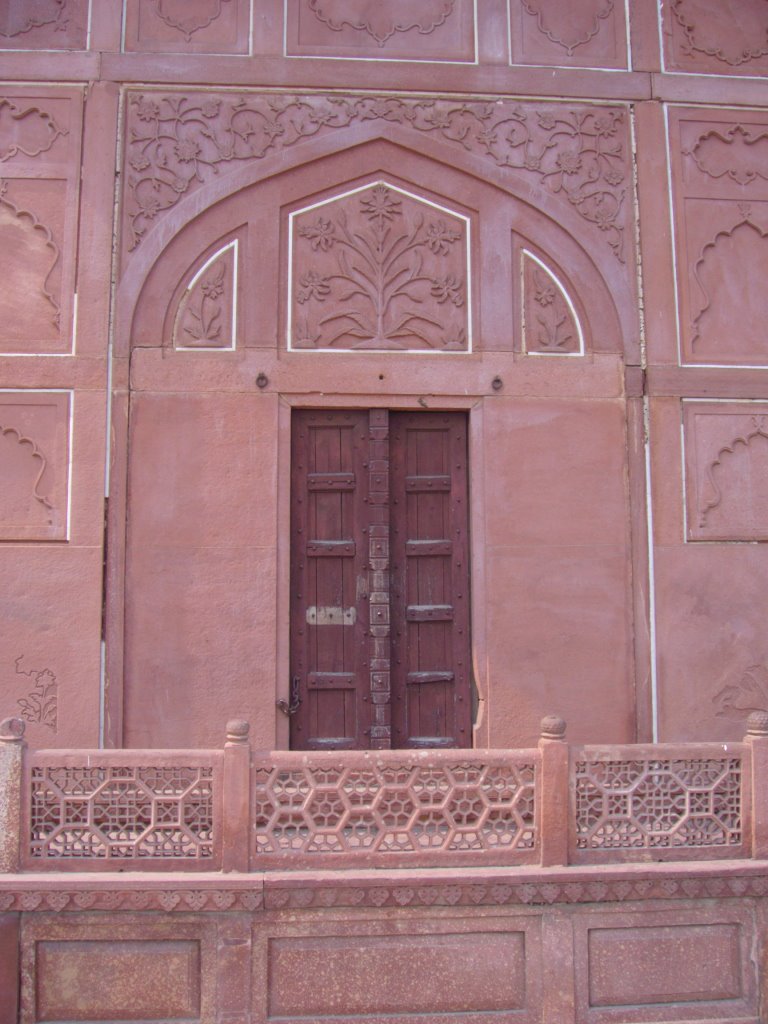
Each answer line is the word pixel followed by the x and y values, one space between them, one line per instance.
pixel 380 644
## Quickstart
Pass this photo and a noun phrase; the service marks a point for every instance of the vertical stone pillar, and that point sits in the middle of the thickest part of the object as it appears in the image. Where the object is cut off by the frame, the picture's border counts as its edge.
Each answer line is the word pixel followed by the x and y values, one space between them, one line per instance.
pixel 236 798
pixel 12 746
pixel 553 792
pixel 757 739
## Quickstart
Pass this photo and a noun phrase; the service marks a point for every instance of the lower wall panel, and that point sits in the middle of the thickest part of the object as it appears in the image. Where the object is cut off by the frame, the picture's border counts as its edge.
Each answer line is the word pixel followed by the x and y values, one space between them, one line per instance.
pixel 638 963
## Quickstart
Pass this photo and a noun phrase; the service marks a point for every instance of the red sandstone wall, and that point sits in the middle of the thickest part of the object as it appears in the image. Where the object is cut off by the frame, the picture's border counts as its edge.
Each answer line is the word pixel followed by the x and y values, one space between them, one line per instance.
pixel 215 185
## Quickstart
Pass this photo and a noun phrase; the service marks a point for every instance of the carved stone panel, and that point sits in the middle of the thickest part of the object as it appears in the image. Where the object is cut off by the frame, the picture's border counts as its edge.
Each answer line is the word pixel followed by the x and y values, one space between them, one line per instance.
pixel 379 268
pixel 575 155
pixel 715 37
pixel 205 313
pixel 188 26
pixel 551 325
pixel 720 194
pixel 43 24
pixel 34 465
pixel 726 457
pixel 584 33
pixel 437 30
pixel 39 164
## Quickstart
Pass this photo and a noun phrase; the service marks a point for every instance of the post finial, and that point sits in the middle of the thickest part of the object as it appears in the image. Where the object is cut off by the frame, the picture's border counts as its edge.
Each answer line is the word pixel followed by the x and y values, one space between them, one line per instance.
pixel 553 727
pixel 12 730
pixel 238 730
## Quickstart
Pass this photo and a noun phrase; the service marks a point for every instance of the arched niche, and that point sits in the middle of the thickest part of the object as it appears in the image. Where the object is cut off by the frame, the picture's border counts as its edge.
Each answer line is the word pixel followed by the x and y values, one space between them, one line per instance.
pixel 256 204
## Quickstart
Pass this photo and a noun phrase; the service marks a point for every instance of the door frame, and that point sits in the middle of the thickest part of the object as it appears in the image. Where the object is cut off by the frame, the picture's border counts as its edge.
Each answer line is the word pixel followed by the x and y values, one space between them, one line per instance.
pixel 473 406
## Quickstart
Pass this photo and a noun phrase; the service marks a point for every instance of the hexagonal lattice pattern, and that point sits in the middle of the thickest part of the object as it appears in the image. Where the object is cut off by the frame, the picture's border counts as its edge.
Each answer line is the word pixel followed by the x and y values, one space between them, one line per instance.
pixel 395 805
pixel 117 812
pixel 657 804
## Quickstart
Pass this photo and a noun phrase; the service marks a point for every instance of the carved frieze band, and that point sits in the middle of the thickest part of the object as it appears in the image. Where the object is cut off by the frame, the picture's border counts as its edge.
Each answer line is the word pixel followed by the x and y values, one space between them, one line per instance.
pixel 177 142
pixel 379 268
pixel 410 893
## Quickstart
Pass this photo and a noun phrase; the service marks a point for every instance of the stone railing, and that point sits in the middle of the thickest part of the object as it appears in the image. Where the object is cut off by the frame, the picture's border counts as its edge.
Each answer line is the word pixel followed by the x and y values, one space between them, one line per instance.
pixel 241 810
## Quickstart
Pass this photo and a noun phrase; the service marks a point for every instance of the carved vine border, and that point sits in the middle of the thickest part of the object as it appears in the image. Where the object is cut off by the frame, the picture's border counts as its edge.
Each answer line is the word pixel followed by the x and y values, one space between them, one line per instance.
pixel 177 143
pixel 458 894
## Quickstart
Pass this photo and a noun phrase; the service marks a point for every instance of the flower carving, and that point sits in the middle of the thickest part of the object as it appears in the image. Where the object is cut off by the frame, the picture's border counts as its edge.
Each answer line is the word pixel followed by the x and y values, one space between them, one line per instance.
pixel 578 153
pixel 374 272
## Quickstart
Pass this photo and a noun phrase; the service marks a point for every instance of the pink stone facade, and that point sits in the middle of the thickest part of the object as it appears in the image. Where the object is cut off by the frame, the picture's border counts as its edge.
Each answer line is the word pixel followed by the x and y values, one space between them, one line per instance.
pixel 548 219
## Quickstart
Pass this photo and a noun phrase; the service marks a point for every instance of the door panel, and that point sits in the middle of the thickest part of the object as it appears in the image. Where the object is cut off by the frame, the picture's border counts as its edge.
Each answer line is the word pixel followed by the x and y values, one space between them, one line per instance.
pixel 372 646
pixel 328 580
pixel 430 581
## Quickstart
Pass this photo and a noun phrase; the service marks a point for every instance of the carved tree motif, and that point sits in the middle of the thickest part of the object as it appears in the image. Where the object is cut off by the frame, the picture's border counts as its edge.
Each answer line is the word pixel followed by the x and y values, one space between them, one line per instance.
pixel 738 154
pixel 379 269
pixel 41 703
pixel 207 312
pixel 31 131
pixel 18 18
pixel 550 324
pixel 20 494
pixel 731 33
pixel 188 17
pixel 730 271
pixel 383 19
pixel 177 143
pixel 738 445
pixel 31 254
pixel 748 692
pixel 569 25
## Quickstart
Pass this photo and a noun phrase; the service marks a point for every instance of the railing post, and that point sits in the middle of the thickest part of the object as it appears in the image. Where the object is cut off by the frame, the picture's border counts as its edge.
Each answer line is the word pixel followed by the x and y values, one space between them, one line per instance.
pixel 553 799
pixel 236 798
pixel 757 738
pixel 12 745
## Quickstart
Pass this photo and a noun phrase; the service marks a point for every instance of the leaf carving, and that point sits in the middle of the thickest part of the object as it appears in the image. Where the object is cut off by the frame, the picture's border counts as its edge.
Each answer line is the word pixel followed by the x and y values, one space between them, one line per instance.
pixel 41 702
pixel 748 693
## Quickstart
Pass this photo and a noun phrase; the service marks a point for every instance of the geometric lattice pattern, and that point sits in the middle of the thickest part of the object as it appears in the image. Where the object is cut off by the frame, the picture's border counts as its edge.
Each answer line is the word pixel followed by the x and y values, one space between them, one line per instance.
pixel 657 804
pixel 395 804
pixel 122 813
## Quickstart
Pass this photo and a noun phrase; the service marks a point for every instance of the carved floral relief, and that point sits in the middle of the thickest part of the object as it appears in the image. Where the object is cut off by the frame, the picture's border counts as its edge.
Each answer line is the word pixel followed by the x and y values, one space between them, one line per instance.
pixel 176 143
pixel 206 315
pixel 40 704
pixel 722 38
pixel 726 450
pixel 379 268
pixel 389 29
pixel 743 692
pixel 588 33
pixel 550 323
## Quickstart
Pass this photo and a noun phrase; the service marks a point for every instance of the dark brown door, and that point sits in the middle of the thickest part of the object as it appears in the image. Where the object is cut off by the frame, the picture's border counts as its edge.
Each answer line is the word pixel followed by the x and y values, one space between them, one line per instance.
pixel 379 648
